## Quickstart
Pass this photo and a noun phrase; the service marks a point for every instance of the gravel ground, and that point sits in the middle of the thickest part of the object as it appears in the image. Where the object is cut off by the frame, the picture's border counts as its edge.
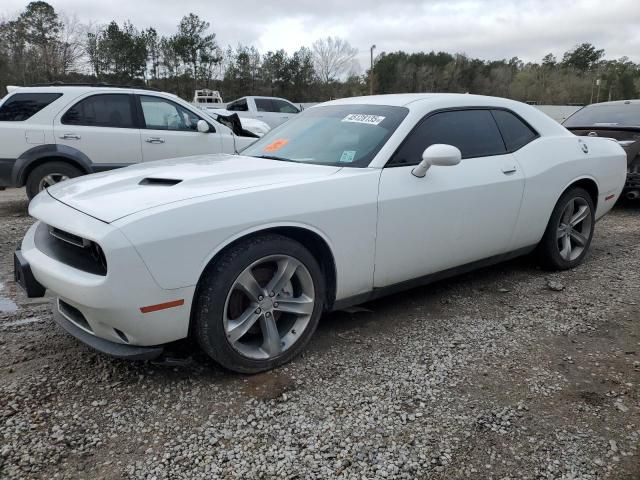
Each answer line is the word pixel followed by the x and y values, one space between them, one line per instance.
pixel 509 372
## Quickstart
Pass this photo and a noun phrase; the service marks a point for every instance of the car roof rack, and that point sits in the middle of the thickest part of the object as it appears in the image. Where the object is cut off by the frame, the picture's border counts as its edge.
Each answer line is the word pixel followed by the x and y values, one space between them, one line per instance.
pixel 98 84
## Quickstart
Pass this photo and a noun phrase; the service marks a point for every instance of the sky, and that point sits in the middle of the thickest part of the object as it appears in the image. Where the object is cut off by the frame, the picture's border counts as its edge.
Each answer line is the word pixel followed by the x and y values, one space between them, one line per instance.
pixel 488 29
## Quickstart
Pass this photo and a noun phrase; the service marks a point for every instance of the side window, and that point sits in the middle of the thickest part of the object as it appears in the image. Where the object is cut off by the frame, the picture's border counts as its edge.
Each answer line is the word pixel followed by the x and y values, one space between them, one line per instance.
pixel 239 106
pixel 284 107
pixel 108 110
pixel 515 132
pixel 474 132
pixel 161 114
pixel 264 105
pixel 22 106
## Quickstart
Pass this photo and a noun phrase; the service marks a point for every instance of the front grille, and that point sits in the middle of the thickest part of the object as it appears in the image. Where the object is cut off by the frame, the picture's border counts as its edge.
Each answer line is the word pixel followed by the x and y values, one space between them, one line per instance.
pixel 70 249
pixel 74 315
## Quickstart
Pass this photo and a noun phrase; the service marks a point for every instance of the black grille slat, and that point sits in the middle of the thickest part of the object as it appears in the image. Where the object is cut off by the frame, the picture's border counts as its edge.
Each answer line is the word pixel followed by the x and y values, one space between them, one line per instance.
pixel 69 237
pixel 74 315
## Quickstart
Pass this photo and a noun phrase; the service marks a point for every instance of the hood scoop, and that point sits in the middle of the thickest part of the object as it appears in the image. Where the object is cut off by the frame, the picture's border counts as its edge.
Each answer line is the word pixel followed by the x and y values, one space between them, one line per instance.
pixel 159 182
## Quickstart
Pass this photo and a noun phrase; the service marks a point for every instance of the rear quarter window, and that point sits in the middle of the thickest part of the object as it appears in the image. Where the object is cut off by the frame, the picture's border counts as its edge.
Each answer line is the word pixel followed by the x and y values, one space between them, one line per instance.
pixel 22 106
pixel 515 132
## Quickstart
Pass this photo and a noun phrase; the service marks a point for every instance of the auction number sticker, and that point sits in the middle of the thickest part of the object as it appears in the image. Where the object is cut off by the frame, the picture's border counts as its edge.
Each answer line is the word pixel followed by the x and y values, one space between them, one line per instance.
pixel 362 118
pixel 276 145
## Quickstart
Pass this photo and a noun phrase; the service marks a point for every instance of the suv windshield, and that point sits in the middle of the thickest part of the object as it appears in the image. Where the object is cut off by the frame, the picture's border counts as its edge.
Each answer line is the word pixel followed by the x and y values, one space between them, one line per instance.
pixel 626 114
pixel 344 135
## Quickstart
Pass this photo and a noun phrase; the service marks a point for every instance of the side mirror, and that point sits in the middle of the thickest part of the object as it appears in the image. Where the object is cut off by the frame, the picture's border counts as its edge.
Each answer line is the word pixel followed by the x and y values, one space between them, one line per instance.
pixel 440 155
pixel 203 127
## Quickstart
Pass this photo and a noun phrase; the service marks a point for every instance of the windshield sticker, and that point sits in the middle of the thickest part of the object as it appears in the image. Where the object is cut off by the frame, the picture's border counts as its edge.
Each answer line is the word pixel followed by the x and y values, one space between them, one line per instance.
pixel 276 145
pixel 362 118
pixel 348 156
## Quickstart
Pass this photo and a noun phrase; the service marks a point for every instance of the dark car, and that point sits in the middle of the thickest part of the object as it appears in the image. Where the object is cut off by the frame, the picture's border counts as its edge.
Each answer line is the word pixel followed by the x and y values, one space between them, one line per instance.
pixel 619 120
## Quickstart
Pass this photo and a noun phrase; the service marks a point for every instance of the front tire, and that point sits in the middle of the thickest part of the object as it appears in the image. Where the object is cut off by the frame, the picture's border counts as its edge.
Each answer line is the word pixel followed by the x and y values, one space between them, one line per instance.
pixel 47 175
pixel 258 305
pixel 569 232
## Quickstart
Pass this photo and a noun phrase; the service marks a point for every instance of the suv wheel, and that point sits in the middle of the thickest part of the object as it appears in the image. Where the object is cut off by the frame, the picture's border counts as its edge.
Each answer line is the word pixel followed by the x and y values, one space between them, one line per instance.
pixel 47 175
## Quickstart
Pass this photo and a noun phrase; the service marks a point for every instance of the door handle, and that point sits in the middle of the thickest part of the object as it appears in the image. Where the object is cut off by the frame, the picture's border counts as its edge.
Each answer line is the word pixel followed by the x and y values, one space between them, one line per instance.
pixel 509 170
pixel 70 136
pixel 154 140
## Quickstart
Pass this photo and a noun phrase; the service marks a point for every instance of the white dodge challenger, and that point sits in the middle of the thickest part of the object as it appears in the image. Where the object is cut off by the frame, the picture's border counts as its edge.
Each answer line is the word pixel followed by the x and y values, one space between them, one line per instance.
pixel 348 201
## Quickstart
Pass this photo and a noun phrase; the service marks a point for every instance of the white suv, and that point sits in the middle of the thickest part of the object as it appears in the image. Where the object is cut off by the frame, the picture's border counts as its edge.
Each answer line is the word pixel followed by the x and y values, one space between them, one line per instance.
pixel 54 132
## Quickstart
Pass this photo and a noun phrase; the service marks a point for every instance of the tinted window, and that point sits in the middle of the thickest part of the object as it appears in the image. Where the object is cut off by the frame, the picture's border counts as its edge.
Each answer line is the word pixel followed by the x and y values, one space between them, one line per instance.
pixel 474 132
pixel 239 106
pixel 283 107
pixel 161 114
pixel 515 132
pixel 344 135
pixel 264 105
pixel 22 106
pixel 625 114
pixel 111 110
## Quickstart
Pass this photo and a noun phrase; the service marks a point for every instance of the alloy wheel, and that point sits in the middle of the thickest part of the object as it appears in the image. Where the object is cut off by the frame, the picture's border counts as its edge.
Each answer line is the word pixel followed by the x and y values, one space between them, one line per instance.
pixel 269 306
pixel 50 180
pixel 574 229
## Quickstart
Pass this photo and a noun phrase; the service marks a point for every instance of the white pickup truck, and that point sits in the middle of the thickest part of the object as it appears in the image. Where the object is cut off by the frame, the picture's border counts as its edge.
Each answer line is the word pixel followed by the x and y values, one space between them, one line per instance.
pixel 271 110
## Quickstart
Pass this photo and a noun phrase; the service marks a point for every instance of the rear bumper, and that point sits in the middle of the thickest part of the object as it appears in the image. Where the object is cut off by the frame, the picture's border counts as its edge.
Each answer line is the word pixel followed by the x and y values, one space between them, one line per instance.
pixel 117 350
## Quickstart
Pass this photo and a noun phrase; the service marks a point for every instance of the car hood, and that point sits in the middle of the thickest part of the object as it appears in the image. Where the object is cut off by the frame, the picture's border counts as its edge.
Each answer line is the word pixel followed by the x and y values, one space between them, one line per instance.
pixel 112 195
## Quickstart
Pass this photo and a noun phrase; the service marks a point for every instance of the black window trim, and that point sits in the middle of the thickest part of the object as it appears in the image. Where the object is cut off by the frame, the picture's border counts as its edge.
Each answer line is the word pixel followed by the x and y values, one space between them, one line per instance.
pixel 143 124
pixel 136 125
pixel 457 109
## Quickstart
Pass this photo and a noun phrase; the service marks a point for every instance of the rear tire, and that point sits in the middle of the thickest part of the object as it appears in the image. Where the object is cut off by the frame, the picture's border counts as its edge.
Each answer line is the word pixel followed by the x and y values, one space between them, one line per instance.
pixel 567 238
pixel 48 174
pixel 258 305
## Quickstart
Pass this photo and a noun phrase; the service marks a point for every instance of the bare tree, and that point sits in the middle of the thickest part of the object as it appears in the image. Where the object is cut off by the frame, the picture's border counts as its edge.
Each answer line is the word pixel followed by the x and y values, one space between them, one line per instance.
pixel 332 57
pixel 71 45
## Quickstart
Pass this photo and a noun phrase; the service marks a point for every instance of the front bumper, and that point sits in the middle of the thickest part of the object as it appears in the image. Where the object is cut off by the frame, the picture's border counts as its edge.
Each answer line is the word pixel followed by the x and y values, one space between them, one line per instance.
pixel 6 172
pixel 109 307
pixel 117 350
pixel 23 276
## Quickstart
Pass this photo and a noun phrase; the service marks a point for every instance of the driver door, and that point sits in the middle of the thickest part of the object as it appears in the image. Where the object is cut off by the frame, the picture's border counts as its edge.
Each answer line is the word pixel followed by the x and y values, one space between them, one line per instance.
pixel 455 215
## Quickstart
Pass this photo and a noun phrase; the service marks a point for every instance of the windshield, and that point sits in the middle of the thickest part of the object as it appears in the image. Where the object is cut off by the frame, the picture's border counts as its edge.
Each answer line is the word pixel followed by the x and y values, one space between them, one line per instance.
pixel 344 135
pixel 626 114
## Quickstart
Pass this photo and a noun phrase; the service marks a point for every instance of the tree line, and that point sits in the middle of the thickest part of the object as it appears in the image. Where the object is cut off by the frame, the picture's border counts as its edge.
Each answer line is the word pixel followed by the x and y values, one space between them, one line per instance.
pixel 41 45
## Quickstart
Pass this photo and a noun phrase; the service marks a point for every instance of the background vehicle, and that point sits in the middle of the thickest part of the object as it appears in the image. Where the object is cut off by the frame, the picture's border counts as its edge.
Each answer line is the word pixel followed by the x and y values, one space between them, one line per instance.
pixel 253 125
pixel 207 97
pixel 271 110
pixel 52 133
pixel 619 120
pixel 347 202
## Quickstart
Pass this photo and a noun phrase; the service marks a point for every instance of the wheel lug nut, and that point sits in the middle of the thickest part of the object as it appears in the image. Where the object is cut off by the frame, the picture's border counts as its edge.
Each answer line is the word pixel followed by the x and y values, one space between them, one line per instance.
pixel 260 297
pixel 258 310
pixel 271 294
pixel 268 314
pixel 275 304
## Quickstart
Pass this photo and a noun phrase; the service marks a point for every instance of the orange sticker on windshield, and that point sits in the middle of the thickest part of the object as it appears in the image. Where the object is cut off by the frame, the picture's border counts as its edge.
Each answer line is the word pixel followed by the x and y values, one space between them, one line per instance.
pixel 276 145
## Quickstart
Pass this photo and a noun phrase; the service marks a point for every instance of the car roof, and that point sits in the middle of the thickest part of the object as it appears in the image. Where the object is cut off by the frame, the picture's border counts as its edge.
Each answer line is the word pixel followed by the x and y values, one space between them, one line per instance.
pixel 420 103
pixel 616 103
pixel 406 99
pixel 79 89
